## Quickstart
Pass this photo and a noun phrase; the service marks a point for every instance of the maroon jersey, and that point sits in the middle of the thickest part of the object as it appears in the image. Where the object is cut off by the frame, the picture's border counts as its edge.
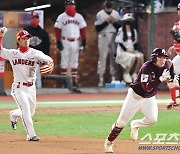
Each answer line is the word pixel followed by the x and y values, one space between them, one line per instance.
pixel 147 82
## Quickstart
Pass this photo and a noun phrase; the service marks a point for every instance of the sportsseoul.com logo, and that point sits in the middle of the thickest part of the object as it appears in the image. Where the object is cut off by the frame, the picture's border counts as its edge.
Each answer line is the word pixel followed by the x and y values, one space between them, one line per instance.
pixel 160 142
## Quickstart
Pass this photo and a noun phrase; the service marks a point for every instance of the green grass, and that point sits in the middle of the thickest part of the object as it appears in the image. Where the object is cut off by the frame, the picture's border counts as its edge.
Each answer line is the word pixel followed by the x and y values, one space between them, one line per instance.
pixel 12 105
pixel 93 125
pixel 89 125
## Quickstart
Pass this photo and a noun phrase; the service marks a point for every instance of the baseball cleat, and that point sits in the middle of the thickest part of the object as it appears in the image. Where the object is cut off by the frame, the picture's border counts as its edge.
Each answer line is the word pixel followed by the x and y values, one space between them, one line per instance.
pixel 134 76
pixel 134 131
pixel 34 138
pixel 13 125
pixel 171 105
pixel 100 84
pixel 127 78
pixel 108 146
pixel 77 91
pixel 76 88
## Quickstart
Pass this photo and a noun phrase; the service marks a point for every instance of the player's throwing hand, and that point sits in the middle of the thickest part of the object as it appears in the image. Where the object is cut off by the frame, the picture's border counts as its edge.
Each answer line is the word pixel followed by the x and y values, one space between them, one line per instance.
pixel 3 30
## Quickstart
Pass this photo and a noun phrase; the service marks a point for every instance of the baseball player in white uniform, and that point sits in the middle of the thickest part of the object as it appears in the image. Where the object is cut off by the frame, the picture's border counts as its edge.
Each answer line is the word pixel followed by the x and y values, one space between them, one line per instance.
pixel 141 96
pixel 24 62
pixel 106 24
pixel 69 26
pixel 174 89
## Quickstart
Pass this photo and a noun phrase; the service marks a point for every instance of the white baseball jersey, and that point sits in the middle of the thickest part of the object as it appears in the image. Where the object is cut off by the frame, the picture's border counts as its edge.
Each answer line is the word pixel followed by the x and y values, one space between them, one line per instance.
pixel 70 26
pixel 176 63
pixel 24 65
pixel 102 16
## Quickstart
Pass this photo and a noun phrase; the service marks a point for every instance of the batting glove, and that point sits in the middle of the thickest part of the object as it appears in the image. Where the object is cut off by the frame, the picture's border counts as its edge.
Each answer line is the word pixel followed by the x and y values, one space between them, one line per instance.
pixel 165 75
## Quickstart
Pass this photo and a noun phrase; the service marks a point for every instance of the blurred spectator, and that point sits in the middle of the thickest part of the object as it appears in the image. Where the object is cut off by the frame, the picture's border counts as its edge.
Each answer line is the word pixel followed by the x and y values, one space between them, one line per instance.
pixel 128 55
pixel 158 6
pixel 39 40
pixel 106 24
pixel 69 26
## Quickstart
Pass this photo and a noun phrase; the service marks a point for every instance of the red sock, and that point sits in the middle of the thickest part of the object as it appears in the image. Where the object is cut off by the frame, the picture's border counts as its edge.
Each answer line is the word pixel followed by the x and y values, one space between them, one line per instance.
pixel 173 94
pixel 74 74
pixel 63 71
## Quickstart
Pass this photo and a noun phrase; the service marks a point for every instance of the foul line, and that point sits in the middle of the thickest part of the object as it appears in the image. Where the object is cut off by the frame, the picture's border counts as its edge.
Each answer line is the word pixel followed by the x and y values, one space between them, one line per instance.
pixel 159 101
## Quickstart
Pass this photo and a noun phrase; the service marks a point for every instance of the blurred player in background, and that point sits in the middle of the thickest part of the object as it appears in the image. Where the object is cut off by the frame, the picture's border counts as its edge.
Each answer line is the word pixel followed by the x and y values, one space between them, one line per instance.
pixel 24 62
pixel 69 26
pixel 39 40
pixel 106 23
pixel 174 89
pixel 127 50
pixel 141 96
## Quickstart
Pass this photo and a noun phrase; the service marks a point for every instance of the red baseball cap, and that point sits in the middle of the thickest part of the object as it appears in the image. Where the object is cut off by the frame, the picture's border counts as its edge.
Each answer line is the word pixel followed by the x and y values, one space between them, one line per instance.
pixel 22 34
pixel 34 15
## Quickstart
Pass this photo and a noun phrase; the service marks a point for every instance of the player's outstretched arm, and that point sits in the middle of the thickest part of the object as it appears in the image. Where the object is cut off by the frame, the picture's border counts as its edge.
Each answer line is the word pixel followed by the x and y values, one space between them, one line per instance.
pixel 3 30
pixel 2 33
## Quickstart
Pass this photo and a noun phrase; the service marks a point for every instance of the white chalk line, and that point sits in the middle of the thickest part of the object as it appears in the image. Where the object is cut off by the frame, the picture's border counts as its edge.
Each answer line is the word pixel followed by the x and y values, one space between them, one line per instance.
pixel 159 101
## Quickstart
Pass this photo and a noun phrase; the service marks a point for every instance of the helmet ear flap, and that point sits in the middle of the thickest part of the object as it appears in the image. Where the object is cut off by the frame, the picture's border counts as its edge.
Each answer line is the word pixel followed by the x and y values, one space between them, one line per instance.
pixel 153 58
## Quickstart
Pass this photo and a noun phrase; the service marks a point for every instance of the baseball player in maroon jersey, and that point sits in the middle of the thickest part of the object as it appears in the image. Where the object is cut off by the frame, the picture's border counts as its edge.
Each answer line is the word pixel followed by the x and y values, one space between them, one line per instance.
pixel 68 28
pixel 24 62
pixel 141 96
pixel 174 88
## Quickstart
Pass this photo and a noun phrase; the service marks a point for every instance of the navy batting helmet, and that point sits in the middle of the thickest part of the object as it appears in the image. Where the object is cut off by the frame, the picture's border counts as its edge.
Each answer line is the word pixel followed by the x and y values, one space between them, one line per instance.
pixel 70 2
pixel 158 52
pixel 178 7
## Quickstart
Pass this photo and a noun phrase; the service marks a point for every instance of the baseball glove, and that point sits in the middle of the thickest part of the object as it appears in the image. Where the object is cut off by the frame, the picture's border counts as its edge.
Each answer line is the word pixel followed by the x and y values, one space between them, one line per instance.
pixel 176 35
pixel 46 68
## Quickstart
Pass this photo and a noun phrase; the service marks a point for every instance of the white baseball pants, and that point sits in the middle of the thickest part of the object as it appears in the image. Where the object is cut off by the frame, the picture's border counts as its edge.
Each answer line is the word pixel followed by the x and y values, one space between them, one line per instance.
pixel 25 98
pixel 104 49
pixel 70 54
pixel 132 104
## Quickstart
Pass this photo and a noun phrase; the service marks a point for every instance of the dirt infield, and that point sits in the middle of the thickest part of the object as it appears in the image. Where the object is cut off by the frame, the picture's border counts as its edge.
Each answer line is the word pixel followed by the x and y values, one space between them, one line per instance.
pixel 16 144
